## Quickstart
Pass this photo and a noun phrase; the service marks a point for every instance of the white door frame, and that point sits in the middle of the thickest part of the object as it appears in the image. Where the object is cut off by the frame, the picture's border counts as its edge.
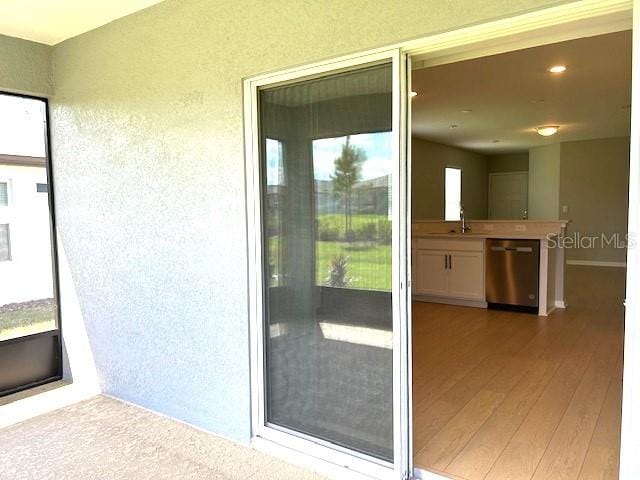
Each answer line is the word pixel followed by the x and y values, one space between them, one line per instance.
pixel 630 435
pixel 549 25
pixel 304 449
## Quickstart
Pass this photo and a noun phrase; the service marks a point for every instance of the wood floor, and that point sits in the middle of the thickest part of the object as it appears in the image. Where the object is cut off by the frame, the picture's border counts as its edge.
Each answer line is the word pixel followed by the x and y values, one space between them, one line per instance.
pixel 512 396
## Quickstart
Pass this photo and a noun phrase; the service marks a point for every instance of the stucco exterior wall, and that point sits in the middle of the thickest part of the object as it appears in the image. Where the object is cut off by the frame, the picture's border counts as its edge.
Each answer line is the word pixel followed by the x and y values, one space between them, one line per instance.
pixel 148 161
pixel 25 67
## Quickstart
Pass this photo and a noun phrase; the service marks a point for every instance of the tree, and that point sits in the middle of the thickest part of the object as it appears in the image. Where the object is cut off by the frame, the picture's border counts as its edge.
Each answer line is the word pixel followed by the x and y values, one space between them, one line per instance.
pixel 346 175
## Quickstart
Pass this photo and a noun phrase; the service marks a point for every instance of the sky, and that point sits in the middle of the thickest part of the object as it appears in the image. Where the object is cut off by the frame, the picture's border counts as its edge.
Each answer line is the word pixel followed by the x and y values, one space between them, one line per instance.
pixel 377 147
pixel 22 126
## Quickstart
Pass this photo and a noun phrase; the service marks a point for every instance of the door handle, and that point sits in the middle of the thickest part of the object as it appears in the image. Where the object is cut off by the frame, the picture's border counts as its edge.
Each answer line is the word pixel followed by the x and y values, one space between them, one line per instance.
pixel 450 263
pixel 446 262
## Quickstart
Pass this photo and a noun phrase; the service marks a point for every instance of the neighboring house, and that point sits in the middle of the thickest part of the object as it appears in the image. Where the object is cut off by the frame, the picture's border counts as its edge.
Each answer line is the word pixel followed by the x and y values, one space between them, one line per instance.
pixel 25 246
pixel 370 196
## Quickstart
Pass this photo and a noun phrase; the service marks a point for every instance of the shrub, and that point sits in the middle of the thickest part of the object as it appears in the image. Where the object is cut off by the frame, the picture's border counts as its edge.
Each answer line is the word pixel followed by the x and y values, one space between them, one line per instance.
pixel 384 232
pixel 367 232
pixel 329 228
pixel 366 228
pixel 338 269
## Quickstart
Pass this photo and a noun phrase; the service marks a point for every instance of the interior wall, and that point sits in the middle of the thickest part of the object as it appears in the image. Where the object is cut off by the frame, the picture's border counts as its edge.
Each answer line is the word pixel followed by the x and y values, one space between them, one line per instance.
pixel 594 186
pixel 147 125
pixel 508 162
pixel 544 182
pixel 25 67
pixel 428 161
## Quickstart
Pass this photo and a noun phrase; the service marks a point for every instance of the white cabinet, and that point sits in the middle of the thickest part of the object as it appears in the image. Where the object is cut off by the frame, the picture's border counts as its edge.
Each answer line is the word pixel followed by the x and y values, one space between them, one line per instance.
pixel 466 275
pixel 449 268
pixel 431 273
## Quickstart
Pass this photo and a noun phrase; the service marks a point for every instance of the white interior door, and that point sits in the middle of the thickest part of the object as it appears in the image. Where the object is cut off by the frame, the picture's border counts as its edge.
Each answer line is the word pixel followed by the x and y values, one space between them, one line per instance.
pixel 508 195
pixel 327 189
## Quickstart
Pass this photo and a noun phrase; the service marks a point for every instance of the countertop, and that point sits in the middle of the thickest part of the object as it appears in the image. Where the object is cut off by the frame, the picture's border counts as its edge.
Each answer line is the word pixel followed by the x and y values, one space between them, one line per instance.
pixel 483 235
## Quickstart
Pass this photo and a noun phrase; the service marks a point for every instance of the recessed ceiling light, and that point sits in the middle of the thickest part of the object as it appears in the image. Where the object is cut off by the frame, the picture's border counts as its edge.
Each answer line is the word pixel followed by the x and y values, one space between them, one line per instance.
pixel 466 110
pixel 453 126
pixel 413 94
pixel 547 130
pixel 557 69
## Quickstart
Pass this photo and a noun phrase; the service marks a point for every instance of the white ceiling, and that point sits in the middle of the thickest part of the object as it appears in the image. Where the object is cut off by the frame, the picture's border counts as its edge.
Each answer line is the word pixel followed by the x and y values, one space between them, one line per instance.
pixel 52 21
pixel 511 94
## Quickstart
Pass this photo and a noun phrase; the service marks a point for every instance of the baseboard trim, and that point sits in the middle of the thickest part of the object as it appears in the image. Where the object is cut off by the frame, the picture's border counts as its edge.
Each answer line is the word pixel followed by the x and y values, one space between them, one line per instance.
pixel 595 263
pixel 423 474
pixel 551 308
pixel 450 301
pixel 560 303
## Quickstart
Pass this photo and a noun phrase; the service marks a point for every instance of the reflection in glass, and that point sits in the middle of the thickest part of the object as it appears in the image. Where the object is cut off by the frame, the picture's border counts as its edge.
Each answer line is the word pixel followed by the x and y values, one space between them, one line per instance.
pixel 27 303
pixel 353 211
pixel 327 160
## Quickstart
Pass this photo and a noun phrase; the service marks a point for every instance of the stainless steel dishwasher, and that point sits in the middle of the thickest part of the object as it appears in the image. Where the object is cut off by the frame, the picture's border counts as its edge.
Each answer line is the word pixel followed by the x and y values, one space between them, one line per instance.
pixel 512 274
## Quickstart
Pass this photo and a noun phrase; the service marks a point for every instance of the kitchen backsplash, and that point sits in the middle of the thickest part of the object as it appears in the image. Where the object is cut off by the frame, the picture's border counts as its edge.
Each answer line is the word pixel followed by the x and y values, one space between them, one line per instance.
pixel 538 227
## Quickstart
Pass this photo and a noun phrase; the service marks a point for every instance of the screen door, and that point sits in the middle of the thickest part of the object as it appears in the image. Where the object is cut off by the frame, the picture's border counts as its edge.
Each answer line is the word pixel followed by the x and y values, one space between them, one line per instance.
pixel 327 176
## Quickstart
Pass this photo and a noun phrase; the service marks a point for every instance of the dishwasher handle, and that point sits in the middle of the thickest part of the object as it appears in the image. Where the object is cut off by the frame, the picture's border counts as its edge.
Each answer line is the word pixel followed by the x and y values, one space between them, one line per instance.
pixel 512 249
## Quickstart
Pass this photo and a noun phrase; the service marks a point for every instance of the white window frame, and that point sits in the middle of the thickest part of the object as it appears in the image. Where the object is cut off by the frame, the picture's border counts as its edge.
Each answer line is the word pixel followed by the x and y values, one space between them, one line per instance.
pixel 559 23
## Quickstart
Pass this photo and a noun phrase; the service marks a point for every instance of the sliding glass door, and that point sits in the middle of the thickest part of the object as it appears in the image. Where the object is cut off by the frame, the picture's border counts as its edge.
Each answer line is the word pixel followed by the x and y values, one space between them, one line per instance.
pixel 327 232
pixel 30 347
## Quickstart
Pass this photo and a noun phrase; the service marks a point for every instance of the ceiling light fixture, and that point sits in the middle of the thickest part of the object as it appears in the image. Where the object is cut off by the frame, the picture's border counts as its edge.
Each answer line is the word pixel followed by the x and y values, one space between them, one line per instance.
pixel 466 110
pixel 547 130
pixel 453 126
pixel 413 94
pixel 557 69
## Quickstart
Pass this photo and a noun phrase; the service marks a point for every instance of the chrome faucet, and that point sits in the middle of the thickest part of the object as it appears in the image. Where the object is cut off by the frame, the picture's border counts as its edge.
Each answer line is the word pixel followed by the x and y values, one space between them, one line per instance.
pixel 464 227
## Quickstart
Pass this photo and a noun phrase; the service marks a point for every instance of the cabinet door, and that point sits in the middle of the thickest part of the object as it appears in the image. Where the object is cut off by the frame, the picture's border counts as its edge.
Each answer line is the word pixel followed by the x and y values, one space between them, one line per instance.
pixel 466 275
pixel 430 273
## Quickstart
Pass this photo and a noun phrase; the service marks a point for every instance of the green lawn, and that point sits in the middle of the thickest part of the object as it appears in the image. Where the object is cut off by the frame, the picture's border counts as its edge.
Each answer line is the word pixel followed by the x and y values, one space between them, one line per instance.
pixel 27 321
pixel 357 219
pixel 368 254
pixel 369 266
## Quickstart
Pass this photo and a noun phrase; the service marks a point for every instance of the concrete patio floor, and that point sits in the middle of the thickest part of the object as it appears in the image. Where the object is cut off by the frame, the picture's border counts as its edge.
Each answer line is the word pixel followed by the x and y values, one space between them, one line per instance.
pixel 106 439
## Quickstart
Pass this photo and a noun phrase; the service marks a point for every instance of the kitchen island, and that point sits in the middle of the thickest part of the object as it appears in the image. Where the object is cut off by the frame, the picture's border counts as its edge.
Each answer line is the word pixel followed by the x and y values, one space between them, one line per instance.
pixel 450 267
